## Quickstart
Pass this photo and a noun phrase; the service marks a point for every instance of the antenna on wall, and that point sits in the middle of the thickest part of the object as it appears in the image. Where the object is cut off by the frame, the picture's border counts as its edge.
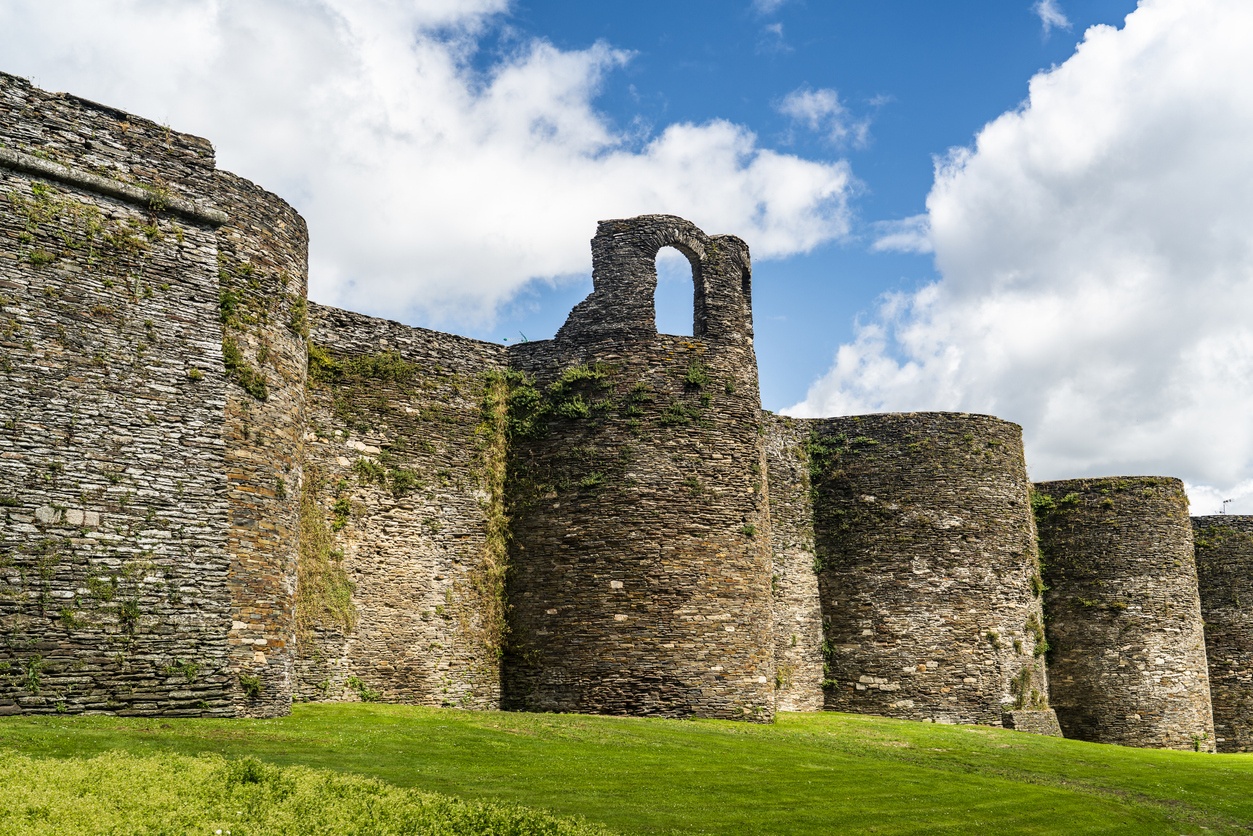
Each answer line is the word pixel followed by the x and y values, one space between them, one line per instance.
pixel 1226 502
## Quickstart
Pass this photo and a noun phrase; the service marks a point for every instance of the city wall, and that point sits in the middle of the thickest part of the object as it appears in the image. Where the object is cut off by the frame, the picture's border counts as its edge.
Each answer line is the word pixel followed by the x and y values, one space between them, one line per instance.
pixel 1126 640
pixel 639 558
pixel 400 595
pixel 216 497
pixel 1224 568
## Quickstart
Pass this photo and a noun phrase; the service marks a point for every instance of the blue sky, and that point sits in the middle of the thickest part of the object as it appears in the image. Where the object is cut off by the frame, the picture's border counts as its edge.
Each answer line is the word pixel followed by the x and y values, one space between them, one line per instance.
pixel 924 77
pixel 1036 209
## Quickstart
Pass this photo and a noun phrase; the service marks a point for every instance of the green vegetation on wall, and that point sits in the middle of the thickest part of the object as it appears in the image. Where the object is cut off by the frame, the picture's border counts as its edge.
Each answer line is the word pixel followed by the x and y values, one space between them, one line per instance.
pixel 487 579
pixel 323 590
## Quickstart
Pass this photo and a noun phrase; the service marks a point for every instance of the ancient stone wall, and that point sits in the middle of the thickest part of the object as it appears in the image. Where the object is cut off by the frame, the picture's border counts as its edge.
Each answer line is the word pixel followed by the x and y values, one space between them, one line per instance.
pixel 1224 568
pixel 640 558
pixel 1126 646
pixel 794 583
pixel 262 269
pixel 203 511
pixel 113 482
pixel 402 559
pixel 928 567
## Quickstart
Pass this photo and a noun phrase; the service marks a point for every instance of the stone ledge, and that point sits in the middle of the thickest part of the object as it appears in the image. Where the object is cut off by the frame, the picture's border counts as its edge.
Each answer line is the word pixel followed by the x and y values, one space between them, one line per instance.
pixel 114 188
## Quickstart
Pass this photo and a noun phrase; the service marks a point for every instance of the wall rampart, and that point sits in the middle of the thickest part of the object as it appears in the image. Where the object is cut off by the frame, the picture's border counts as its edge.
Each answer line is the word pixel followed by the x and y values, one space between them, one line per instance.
pixel 262 273
pixel 1224 568
pixel 205 511
pixel 402 564
pixel 639 563
pixel 1126 646
pixel 794 583
pixel 928 574
pixel 113 503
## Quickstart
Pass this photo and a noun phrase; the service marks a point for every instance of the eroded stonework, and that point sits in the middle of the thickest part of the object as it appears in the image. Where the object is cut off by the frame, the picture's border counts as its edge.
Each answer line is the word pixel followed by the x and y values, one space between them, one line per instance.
pixel 216 497
pixel 1224 568
pixel 1126 643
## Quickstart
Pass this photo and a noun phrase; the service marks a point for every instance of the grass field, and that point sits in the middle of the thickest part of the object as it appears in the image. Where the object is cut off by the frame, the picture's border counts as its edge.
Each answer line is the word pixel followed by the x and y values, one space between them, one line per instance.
pixel 808 773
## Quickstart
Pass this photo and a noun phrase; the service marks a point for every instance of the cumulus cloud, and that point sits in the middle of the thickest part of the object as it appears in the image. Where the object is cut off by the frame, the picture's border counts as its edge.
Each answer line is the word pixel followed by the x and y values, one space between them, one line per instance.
pixel 1051 15
pixel 436 181
pixel 822 111
pixel 1095 249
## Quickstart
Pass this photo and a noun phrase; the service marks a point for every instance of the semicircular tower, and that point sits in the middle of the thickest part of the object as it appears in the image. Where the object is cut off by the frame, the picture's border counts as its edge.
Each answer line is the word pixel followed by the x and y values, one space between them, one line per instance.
pixel 639 555
pixel 1126 645
pixel 927 568
pixel 1224 569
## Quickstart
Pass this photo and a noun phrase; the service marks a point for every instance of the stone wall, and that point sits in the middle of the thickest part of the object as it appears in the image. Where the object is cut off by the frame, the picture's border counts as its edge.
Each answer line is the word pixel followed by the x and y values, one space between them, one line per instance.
pixel 262 269
pixel 1224 568
pixel 640 554
pixel 402 564
pixel 1126 646
pixel 794 583
pixel 928 567
pixel 203 511
pixel 114 510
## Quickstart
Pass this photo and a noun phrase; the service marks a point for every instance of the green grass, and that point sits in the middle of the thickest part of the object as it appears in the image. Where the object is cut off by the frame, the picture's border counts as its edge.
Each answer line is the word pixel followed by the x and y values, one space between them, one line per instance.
pixel 124 794
pixel 808 773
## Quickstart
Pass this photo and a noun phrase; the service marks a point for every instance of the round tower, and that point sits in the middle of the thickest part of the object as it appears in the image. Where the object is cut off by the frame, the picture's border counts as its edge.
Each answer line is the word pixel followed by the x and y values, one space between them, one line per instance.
pixel 640 564
pixel 1224 569
pixel 1127 649
pixel 263 255
pixel 928 570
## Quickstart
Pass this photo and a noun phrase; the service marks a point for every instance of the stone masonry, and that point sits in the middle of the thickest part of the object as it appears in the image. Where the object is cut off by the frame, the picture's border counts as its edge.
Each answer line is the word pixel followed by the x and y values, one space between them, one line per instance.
pixel 114 530
pixel 928 572
pixel 400 596
pixel 1126 645
pixel 216 497
pixel 798 638
pixel 1224 568
pixel 639 559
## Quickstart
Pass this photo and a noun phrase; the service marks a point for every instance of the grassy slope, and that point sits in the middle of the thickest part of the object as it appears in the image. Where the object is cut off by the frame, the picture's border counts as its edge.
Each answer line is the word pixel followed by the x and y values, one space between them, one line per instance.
pixel 806 774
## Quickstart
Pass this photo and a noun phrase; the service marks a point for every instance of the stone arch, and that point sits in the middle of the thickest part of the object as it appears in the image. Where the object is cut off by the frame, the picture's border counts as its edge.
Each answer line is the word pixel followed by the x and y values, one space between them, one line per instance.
pixel 624 279
pixel 667 304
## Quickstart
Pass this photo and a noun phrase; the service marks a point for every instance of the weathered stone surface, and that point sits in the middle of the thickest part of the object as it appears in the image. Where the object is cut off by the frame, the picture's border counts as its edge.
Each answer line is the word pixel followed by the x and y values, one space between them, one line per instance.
pixel 794 584
pixel 401 452
pixel 1126 646
pixel 1035 721
pixel 1224 568
pixel 639 560
pixel 114 510
pixel 929 576
pixel 204 512
pixel 262 264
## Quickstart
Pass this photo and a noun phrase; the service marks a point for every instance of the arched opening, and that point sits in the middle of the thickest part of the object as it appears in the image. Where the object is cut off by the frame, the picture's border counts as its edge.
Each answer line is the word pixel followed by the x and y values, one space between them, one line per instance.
pixel 677 289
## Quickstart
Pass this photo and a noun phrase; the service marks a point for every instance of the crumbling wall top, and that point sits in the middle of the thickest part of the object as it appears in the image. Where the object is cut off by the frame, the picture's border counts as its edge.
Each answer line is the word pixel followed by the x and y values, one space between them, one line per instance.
pixel 624 279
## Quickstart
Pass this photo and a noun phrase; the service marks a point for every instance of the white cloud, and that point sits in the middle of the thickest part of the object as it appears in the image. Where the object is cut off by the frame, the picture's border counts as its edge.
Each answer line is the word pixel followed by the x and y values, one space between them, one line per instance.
pixel 433 190
pixel 768 7
pixel 1096 254
pixel 1051 15
pixel 822 111
pixel 908 235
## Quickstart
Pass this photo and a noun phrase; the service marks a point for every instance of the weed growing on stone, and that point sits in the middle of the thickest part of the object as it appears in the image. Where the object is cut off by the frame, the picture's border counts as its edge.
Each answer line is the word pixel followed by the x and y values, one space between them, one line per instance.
pixel 323 589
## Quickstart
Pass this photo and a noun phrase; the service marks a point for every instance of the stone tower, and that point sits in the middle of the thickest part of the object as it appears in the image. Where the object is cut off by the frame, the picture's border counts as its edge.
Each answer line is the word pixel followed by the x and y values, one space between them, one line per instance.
pixel 1126 645
pixel 928 572
pixel 1224 568
pixel 639 559
pixel 152 368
